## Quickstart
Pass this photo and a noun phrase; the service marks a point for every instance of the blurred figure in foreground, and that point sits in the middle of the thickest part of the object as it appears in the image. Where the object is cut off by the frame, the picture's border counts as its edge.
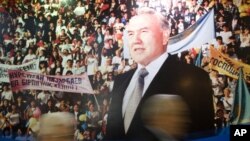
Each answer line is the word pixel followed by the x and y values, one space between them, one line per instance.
pixel 166 116
pixel 57 126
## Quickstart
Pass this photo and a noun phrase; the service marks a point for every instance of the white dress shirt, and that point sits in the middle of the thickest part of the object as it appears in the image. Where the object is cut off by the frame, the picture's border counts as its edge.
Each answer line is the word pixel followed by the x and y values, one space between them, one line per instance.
pixel 152 69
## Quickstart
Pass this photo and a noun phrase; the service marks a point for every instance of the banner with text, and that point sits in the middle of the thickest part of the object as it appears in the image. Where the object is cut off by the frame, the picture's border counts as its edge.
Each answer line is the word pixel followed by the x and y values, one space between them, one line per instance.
pixel 31 66
pixel 228 66
pixel 28 80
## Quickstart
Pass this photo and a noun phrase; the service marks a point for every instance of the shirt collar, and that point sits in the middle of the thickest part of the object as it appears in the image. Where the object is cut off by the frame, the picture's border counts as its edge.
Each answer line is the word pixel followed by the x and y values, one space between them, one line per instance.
pixel 154 66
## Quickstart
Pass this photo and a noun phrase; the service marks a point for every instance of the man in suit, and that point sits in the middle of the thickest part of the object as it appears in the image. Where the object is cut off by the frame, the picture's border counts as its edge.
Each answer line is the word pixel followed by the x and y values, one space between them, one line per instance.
pixel 148 35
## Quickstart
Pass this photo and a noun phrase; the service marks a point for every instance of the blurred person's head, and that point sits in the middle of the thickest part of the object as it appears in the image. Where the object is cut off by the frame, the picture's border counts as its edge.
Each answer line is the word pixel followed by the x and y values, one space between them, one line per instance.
pixel 70 63
pixel 41 52
pixel 30 51
pixel 58 63
pixel 39 33
pixel 219 40
pixel 69 72
pixel 118 53
pixel 76 108
pixel 227 92
pixel 5 102
pixel 220 113
pixel 50 103
pixel 33 103
pixel 91 107
pixel 194 2
pixel 43 64
pixel 19 99
pixel 225 28
pixel 51 25
pixel 108 62
pixel 246 30
pixel 19 132
pixel 5 87
pixel 13 108
pixel 78 63
pixel 172 120
pixel 57 126
pixel 65 52
pixel 110 76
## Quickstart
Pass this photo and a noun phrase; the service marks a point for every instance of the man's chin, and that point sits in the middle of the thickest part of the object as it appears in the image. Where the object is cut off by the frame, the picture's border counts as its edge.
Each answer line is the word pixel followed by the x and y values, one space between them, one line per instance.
pixel 142 62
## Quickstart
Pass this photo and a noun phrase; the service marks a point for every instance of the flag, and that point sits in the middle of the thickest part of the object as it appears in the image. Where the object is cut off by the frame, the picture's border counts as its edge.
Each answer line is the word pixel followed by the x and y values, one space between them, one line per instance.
pixel 199 59
pixel 240 113
pixel 201 32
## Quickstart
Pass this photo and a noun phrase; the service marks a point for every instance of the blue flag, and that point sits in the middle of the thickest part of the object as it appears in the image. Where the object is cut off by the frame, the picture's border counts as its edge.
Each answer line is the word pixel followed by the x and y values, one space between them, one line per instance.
pixel 241 106
pixel 198 61
pixel 200 33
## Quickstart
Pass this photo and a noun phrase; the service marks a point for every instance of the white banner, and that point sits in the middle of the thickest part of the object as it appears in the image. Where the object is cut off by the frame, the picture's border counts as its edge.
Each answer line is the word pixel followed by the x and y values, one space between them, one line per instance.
pixel 35 81
pixel 201 32
pixel 31 66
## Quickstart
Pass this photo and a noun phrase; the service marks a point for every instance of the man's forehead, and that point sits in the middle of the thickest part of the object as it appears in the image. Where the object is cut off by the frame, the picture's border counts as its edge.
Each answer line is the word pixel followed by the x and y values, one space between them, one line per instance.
pixel 149 17
pixel 143 20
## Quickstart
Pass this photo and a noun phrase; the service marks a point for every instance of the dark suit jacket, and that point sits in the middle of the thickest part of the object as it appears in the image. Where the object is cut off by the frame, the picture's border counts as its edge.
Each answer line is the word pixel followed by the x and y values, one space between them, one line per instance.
pixel 191 83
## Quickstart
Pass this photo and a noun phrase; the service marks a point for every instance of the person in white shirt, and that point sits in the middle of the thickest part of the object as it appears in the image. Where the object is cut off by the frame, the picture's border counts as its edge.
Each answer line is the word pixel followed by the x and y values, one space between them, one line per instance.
pixel 117 59
pixel 13 117
pixel 78 68
pixel 80 9
pixel 65 57
pixel 111 20
pixel 43 96
pixel 7 93
pixel 245 43
pixel 118 25
pixel 92 65
pixel 227 100
pixel 124 66
pixel 30 56
pixel 69 66
pixel 225 34
pixel 245 38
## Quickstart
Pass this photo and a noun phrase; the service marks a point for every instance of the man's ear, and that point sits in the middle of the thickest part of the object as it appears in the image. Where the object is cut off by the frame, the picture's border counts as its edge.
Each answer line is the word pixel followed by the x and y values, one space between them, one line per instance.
pixel 165 37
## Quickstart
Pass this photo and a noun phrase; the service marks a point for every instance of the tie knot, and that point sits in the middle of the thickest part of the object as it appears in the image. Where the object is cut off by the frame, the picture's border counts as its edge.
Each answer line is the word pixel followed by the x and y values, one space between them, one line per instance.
pixel 143 73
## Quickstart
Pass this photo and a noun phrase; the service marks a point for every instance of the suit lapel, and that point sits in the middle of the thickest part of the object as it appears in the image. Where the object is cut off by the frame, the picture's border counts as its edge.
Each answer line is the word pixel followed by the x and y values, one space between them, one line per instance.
pixel 159 84
pixel 116 119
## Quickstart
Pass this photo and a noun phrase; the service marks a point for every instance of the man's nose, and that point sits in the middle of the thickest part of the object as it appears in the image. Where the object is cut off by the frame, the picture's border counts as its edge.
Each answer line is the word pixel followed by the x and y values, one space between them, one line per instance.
pixel 137 38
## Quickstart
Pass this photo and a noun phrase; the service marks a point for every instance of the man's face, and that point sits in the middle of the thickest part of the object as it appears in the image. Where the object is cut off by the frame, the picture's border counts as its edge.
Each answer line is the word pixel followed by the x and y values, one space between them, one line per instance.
pixel 70 63
pixel 146 38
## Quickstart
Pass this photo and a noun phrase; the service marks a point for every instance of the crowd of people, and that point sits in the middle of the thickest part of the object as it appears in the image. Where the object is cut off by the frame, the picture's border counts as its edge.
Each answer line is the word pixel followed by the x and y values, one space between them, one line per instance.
pixel 88 36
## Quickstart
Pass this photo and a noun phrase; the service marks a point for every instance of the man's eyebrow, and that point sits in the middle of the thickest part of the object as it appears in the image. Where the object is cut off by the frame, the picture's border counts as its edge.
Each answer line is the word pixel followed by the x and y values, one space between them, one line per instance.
pixel 142 28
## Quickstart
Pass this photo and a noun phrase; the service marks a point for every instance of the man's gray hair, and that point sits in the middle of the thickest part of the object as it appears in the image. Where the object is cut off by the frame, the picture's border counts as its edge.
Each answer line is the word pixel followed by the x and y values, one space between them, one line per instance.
pixel 151 11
